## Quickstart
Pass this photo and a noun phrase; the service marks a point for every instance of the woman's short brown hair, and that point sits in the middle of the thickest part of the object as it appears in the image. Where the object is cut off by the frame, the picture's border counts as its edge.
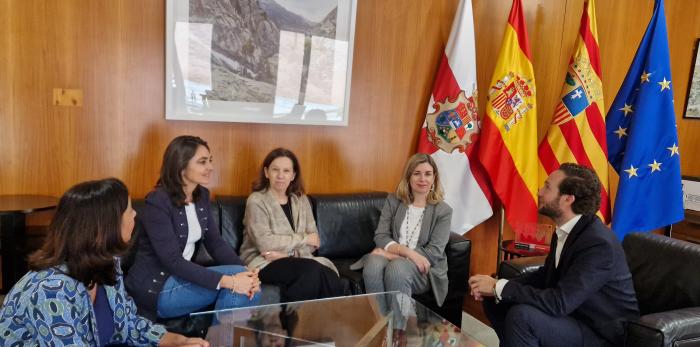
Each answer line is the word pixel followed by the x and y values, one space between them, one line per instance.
pixel 404 192
pixel 85 232
pixel 296 187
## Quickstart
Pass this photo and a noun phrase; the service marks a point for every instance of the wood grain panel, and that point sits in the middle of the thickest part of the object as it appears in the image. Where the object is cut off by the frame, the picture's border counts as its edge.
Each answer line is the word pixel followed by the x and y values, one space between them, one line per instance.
pixel 683 31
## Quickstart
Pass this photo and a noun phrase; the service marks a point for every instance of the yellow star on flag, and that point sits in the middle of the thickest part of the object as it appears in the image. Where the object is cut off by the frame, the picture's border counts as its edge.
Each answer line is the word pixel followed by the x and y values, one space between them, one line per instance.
pixel 655 166
pixel 632 171
pixel 626 109
pixel 673 149
pixel 620 132
pixel 645 76
pixel 665 84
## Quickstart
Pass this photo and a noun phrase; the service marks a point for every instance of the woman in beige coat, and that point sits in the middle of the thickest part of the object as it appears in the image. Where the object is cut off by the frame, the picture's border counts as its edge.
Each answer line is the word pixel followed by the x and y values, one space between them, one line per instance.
pixel 281 236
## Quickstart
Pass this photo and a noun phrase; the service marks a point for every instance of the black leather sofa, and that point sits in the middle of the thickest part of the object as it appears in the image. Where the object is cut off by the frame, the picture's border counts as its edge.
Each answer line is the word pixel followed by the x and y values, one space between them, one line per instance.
pixel 346 224
pixel 667 283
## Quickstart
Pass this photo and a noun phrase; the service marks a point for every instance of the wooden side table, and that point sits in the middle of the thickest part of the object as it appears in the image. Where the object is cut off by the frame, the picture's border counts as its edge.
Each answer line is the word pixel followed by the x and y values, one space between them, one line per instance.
pixel 13 237
pixel 688 229
pixel 510 252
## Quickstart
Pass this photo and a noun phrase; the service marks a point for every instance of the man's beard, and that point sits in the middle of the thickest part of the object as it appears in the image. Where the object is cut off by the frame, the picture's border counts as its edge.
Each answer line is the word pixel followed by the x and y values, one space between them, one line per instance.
pixel 550 210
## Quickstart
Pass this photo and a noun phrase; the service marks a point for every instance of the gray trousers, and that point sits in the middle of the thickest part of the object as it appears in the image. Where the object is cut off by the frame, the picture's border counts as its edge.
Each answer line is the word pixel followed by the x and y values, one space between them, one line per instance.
pixel 402 275
pixel 383 275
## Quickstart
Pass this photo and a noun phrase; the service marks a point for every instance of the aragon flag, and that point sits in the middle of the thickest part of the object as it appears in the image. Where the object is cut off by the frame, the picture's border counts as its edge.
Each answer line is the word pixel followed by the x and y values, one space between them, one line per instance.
pixel 577 133
pixel 451 128
pixel 508 144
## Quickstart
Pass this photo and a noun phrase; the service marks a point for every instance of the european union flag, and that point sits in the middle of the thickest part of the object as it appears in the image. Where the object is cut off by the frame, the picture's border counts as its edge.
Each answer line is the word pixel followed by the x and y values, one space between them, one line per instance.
pixel 643 140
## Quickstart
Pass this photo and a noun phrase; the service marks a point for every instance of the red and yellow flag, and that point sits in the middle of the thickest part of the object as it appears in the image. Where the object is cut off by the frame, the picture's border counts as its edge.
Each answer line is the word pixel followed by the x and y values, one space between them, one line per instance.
pixel 577 133
pixel 509 131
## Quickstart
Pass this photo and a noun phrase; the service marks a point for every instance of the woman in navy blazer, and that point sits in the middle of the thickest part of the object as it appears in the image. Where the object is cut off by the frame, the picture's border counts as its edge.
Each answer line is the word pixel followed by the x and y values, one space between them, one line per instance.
pixel 177 219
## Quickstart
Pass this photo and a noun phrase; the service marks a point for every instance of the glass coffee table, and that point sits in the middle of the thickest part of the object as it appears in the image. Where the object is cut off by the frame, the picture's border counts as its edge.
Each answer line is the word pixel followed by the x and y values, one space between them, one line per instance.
pixel 384 319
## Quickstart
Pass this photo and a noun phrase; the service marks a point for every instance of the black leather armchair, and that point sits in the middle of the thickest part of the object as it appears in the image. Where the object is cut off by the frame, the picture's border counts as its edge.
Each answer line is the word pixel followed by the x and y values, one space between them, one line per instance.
pixel 667 284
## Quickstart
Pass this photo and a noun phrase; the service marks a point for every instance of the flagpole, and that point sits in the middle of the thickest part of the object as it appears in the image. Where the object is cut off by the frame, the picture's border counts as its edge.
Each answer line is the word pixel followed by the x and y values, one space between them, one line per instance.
pixel 500 238
pixel 668 230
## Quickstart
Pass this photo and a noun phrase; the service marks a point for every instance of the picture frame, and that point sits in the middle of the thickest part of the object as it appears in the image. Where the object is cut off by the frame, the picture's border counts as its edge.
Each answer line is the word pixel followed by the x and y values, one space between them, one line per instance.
pixel 692 100
pixel 280 61
pixel 691 193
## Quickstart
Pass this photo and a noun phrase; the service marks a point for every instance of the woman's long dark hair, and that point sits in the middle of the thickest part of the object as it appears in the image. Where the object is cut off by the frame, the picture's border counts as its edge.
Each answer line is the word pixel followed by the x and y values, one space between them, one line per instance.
pixel 85 232
pixel 175 159
pixel 296 187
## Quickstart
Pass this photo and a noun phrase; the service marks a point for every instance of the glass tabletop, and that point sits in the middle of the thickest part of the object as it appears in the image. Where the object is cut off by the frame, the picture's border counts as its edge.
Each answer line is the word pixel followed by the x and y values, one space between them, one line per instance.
pixel 384 319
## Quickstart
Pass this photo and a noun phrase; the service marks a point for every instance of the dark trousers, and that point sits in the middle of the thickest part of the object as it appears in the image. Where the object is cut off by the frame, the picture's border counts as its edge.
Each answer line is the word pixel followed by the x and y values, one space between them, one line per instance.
pixel 302 279
pixel 525 325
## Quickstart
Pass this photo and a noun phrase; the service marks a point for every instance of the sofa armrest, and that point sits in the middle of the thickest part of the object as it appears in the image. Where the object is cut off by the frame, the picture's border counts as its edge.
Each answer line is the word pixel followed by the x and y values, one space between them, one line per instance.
pixel 668 328
pixel 519 266
pixel 458 251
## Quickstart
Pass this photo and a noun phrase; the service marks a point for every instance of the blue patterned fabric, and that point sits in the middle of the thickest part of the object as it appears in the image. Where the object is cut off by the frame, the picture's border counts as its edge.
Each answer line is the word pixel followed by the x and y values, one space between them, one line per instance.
pixel 50 308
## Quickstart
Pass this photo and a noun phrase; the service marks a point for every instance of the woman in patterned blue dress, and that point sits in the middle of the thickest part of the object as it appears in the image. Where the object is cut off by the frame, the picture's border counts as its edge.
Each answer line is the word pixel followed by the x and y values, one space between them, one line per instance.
pixel 74 292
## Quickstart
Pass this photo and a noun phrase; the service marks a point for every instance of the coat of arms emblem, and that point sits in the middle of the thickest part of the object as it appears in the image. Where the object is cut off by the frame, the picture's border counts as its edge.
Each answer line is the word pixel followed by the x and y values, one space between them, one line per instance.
pixel 582 88
pixel 453 123
pixel 510 98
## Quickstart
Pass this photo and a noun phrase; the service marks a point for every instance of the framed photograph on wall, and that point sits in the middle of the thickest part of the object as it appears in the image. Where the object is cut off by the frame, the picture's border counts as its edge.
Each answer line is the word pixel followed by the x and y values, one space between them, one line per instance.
pixel 259 61
pixel 692 101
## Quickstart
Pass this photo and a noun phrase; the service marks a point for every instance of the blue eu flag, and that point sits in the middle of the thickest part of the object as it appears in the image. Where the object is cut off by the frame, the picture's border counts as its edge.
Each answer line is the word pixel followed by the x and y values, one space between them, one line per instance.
pixel 642 138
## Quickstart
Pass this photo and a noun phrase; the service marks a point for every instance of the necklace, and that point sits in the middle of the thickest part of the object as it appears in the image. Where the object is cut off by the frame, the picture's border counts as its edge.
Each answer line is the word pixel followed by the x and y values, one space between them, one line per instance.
pixel 411 232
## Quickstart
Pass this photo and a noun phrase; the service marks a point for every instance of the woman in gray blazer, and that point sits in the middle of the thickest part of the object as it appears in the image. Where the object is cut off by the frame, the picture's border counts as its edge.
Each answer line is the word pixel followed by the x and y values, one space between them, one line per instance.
pixel 413 231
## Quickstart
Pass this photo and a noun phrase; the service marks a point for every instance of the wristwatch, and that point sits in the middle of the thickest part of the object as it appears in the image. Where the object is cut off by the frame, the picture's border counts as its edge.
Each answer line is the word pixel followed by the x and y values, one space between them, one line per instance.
pixel 290 253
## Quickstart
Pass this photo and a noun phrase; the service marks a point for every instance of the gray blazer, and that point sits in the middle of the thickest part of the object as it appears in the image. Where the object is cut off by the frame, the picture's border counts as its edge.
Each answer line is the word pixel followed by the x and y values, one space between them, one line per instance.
pixel 434 234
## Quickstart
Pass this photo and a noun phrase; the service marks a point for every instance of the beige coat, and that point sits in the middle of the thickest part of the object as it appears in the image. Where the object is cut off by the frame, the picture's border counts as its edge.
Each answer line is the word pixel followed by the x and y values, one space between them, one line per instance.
pixel 267 229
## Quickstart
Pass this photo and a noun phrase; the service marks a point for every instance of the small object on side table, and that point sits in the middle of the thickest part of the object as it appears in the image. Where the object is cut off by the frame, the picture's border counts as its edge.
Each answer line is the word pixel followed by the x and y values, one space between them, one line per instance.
pixel 512 249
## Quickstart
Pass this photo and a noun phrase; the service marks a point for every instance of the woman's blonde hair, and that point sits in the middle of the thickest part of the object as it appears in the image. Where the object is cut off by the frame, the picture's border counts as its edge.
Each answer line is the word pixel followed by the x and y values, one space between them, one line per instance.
pixel 404 192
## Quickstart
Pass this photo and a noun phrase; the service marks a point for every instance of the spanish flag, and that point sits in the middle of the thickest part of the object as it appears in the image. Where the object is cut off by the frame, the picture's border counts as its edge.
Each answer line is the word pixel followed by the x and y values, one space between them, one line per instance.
pixel 577 133
pixel 508 144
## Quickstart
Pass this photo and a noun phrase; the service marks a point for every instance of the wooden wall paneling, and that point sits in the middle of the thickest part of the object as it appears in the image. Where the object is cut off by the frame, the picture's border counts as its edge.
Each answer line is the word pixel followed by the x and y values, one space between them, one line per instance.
pixel 682 34
pixel 7 138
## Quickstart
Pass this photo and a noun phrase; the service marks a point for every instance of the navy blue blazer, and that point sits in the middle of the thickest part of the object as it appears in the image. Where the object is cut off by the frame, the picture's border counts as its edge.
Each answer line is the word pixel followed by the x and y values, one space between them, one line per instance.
pixel 159 252
pixel 592 283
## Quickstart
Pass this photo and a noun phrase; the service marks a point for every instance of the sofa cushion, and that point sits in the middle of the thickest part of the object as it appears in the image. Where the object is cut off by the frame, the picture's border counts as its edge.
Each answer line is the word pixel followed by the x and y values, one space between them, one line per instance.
pixel 664 271
pixel 346 223
pixel 231 210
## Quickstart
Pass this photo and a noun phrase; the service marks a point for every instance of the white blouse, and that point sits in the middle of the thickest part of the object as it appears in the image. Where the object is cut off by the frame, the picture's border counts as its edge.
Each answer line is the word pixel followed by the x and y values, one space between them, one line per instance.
pixel 194 231
pixel 410 227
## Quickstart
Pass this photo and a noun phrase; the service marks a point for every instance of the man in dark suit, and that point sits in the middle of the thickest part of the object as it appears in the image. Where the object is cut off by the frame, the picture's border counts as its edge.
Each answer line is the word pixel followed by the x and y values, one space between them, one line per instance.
pixel 583 294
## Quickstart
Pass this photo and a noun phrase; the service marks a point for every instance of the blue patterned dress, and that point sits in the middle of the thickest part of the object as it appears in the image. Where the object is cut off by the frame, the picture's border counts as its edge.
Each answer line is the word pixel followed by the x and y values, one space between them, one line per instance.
pixel 50 308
